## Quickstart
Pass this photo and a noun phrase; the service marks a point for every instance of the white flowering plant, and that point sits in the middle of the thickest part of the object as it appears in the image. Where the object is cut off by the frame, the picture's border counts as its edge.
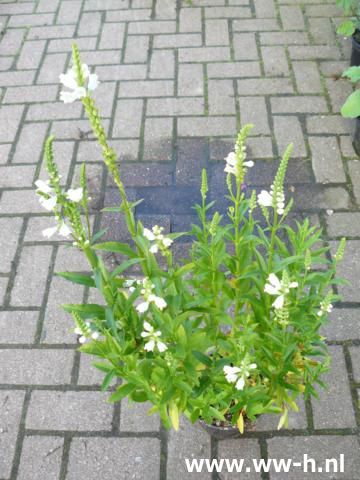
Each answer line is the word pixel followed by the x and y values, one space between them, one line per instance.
pixel 227 334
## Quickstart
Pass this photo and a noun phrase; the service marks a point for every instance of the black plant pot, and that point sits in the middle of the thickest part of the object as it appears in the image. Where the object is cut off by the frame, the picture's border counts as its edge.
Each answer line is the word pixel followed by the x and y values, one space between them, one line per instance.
pixel 355 50
pixel 220 433
pixel 356 136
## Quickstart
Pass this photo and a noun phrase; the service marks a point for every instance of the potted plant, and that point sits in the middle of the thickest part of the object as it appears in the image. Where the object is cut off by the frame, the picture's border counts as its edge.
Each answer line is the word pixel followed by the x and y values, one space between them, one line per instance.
pixel 225 336
pixel 351 27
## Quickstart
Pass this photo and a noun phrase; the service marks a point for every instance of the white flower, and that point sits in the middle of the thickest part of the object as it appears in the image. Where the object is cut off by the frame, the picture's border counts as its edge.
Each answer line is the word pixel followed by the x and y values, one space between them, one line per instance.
pixel 233 163
pixel 95 335
pixel 43 187
pixel 64 230
pixel 240 384
pixel 69 80
pixel 49 232
pixel 167 242
pixel 231 373
pixel 142 307
pixel 129 283
pixel 149 234
pixel 78 331
pixel 249 164
pixel 48 203
pixel 82 339
pixel 275 287
pixel 93 82
pixel 154 248
pixel 161 346
pixel 159 302
pixel 154 340
pixel 70 97
pixel 265 199
pixel 75 194
pixel 149 346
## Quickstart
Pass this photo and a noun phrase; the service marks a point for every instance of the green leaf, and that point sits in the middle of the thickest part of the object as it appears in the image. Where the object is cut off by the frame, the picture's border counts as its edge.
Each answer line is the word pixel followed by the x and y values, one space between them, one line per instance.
pixel 98 235
pixel 346 28
pixel 79 278
pixel 353 74
pixel 351 108
pixel 174 414
pixel 116 247
pixel 90 310
pixel 204 359
pixel 121 392
pixel 107 380
pixel 125 265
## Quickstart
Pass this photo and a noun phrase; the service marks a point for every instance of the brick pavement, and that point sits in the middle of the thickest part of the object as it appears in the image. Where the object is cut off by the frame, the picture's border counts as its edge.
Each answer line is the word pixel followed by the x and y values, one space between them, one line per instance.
pixel 178 79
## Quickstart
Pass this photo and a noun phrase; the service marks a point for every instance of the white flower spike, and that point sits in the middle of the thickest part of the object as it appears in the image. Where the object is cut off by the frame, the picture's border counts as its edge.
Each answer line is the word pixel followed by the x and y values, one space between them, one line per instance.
pixel 43 187
pixel 75 194
pixel 69 80
pixel 278 288
pixel 153 336
pixel 48 203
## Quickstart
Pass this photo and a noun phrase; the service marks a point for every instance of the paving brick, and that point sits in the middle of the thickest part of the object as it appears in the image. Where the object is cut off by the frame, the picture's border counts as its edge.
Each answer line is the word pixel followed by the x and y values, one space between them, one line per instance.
pixel 33 261
pixel 31 20
pixel 334 407
pixel 4 152
pixel 190 161
pixel 158 139
pixel 313 52
pixel 233 70
pixel 333 68
pixel 162 64
pixel 30 94
pixel 104 97
pixel 338 92
pixel 190 20
pixel 189 442
pixel 228 12
pixel 314 197
pixel 174 106
pixel 288 130
pixel 74 129
pixel 35 367
pixel 145 175
pixel 322 31
pixel 105 4
pixel 204 54
pixel 239 448
pixel 136 50
pixel 112 35
pixel 190 80
pixel 89 24
pixel 47 6
pixel 10 414
pixel 292 18
pixel 70 411
pixel 216 32
pixel 49 111
pixel 318 447
pixel 255 25
pixel 221 97
pixel 128 15
pixel 17 326
pixel 355 361
pixel 20 201
pixel 11 8
pixel 100 457
pixel 281 38
pixel 264 8
pixel 9 243
pixel 327 124
pixel 253 110
pixel 178 40
pixel 323 11
pixel 9 120
pixel 64 45
pixel 41 458
pixel 134 418
pixel 264 86
pixel 348 268
pixel 260 147
pixel 152 27
pixel 165 9
pixel 354 170
pixel 343 324
pixel 155 88
pixel 128 117
pixel 53 31
pixel 88 374
pixel 16 78
pixel 326 160
pixel 245 46
pixel 6 62
pixel 11 41
pixel 69 11
pixel 123 72
pixel 307 77
pixel 52 66
pixel 206 126
pixel 31 55
pixel 275 61
pixel 298 104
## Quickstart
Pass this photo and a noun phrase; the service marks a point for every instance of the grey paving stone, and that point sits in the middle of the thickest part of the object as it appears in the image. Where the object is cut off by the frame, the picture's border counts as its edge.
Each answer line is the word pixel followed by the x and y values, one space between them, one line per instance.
pixel 51 31
pixel 288 130
pixel 25 77
pixel 31 55
pixel 233 69
pixel 64 44
pixel 292 17
pixel 313 52
pixel 34 263
pixel 18 326
pixel 89 24
pixel 190 20
pixel 15 176
pixel 11 41
pixel 334 407
pixel 35 367
pixel 112 35
pixel 70 411
pixel 128 15
pixel 204 54
pixel 145 175
pixel 326 160
pixel 134 418
pixel 52 66
pixel 10 414
pixel 162 64
pixel 136 458
pixel 128 117
pixel 245 46
pixel 322 31
pixel 190 161
pixel 88 374
pixel 255 25
pixel 158 139
pixel 125 72
pixel 345 223
pixel 275 61
pixel 105 4
pixel 206 126
pixel 319 197
pixel 216 32
pixel 69 12
pixel 174 107
pixel 348 268
pixel 355 360
pixel 191 442
pixel 20 202
pixel 8 243
pixel 30 94
pixel 142 88
pixel 165 10
pixel 136 49
pixel 298 104
pixel 30 143
pixel 10 116
pixel 319 448
pixel 236 449
pixel 190 80
pixel 31 20
pixel 221 97
pixel 223 12
pixel 307 77
pixel 253 110
pixel 328 124
pixel 265 8
pixel 152 27
pixel 4 152
pixel 264 86
pixel 41 458
pixel 354 170
pixel 47 5
pixel 343 324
